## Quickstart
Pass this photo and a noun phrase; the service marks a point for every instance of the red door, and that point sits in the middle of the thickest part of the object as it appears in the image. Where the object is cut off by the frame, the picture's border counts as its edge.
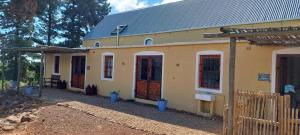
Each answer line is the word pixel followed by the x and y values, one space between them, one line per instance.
pixel 78 72
pixel 148 77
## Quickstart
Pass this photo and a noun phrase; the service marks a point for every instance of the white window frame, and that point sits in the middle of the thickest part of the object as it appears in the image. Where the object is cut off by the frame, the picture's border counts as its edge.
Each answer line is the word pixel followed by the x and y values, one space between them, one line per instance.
pixel 209 52
pixel 53 71
pixel 103 66
pixel 148 39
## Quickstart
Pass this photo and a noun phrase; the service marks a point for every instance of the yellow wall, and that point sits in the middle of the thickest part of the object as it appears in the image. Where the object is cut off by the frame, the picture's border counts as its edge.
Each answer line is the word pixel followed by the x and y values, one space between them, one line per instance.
pixel 179 82
pixel 64 66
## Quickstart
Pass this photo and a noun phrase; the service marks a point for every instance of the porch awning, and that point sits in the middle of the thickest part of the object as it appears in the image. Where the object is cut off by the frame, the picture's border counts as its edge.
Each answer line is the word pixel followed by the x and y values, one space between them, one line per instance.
pixel 286 36
pixel 45 49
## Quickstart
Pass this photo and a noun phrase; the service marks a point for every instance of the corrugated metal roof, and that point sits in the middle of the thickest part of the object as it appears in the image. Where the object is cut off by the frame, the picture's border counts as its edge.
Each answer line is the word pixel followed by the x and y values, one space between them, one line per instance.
pixel 197 14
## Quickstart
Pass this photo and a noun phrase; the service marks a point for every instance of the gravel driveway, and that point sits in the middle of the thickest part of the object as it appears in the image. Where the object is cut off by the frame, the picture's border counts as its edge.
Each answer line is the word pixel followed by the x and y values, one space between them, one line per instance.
pixel 135 115
pixel 55 120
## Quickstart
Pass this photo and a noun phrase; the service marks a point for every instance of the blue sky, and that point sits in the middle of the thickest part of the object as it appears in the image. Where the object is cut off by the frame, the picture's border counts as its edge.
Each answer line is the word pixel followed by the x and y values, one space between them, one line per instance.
pixel 126 5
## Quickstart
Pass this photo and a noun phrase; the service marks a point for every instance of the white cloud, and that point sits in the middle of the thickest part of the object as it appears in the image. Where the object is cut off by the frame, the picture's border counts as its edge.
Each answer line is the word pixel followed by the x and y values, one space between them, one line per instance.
pixel 125 5
pixel 169 1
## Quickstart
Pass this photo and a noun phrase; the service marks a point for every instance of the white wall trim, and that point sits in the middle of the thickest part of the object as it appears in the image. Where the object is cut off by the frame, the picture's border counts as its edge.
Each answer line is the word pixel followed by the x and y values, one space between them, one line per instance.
pixel 103 64
pixel 59 65
pixel 293 50
pixel 70 73
pixel 148 53
pixel 171 44
pixel 209 52
pixel 148 39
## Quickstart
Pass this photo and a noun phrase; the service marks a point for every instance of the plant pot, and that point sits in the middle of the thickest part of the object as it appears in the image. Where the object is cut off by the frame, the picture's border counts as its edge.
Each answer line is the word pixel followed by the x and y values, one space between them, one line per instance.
pixel 114 97
pixel 94 90
pixel 162 105
pixel 13 85
pixel 64 85
pixel 28 90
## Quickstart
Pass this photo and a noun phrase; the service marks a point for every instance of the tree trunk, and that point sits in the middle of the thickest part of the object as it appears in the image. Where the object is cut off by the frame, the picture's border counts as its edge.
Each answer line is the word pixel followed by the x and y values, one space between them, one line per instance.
pixel 49 23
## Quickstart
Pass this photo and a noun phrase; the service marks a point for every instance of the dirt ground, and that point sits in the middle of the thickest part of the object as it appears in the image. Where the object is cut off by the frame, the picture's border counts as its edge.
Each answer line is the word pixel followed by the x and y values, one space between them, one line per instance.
pixel 61 112
pixel 58 120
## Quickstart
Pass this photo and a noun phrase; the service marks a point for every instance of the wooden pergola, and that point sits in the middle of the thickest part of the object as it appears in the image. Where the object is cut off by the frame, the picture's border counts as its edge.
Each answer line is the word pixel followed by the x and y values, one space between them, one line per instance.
pixel 38 49
pixel 281 36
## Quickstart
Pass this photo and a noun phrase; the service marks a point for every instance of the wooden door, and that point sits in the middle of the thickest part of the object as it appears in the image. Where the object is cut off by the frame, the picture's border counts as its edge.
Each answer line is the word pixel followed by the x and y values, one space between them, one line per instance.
pixel 148 77
pixel 281 73
pixel 78 72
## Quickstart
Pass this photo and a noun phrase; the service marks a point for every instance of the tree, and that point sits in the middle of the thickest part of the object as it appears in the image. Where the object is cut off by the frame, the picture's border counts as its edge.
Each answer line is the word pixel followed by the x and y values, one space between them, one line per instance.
pixel 17 28
pixel 46 26
pixel 78 18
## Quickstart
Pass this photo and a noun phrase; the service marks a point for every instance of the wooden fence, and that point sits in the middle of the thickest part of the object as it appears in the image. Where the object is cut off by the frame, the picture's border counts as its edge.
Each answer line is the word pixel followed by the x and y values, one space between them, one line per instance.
pixel 257 113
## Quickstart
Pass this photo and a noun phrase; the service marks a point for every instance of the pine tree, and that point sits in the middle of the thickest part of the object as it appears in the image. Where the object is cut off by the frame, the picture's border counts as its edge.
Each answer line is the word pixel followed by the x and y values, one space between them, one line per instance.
pixel 47 20
pixel 78 18
pixel 17 28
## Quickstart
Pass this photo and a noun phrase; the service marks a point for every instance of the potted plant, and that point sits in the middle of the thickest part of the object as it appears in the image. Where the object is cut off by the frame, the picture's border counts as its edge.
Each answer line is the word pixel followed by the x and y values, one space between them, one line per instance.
pixel 59 84
pixel 162 104
pixel 94 90
pixel 114 96
pixel 64 84
pixel 88 90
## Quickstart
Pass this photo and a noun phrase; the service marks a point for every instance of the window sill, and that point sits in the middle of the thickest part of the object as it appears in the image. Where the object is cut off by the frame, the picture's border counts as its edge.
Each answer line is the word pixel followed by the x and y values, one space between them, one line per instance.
pixel 214 91
pixel 107 79
pixel 55 73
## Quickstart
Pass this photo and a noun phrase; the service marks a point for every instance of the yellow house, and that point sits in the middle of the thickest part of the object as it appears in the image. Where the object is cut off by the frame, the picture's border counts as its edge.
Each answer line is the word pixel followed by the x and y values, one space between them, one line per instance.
pixel 160 52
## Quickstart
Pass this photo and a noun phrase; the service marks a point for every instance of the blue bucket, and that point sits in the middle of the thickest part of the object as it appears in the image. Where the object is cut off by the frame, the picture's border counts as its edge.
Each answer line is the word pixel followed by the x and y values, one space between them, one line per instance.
pixel 162 105
pixel 114 97
pixel 13 85
pixel 28 90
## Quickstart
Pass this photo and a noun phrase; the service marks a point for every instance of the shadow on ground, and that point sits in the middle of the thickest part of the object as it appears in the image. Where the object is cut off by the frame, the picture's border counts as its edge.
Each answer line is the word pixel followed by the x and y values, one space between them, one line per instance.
pixel 141 110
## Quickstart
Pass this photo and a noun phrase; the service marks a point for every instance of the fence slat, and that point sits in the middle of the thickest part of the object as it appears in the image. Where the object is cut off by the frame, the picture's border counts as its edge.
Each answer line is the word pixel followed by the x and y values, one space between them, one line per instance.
pixel 297 124
pixel 263 114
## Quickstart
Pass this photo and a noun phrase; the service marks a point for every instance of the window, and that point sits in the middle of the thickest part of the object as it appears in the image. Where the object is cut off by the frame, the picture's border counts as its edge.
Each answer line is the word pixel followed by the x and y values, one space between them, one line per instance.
pixel 97 45
pixel 56 64
pixel 209 71
pixel 156 69
pixel 148 41
pixel 144 70
pixel 107 66
pixel 120 29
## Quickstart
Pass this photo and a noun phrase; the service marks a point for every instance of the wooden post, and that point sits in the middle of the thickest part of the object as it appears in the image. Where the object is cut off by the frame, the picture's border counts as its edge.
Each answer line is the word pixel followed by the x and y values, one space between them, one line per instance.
pixel 231 85
pixel 2 71
pixel 19 72
pixel 41 82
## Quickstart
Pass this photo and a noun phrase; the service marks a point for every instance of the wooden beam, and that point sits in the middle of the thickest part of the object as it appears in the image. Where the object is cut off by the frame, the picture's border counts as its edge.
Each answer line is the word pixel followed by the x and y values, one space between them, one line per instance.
pixel 19 72
pixel 41 82
pixel 250 34
pixel 232 54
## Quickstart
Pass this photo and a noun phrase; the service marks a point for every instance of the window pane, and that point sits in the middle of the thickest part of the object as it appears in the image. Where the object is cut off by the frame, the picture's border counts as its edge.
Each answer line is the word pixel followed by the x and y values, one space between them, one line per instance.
pixel 56 64
pixel 82 65
pixel 209 71
pixel 156 69
pixel 149 42
pixel 144 69
pixel 108 67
